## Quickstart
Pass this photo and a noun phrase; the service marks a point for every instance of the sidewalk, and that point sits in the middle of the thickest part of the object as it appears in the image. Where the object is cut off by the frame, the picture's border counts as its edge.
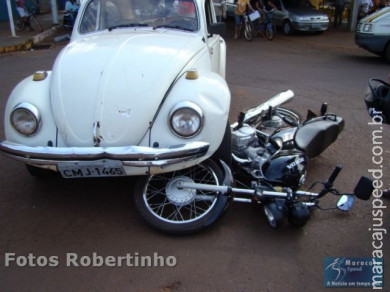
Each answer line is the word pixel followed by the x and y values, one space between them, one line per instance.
pixel 25 40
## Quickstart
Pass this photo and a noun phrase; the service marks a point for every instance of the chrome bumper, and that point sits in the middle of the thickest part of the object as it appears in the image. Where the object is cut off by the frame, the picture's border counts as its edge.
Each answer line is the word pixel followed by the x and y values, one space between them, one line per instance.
pixel 135 156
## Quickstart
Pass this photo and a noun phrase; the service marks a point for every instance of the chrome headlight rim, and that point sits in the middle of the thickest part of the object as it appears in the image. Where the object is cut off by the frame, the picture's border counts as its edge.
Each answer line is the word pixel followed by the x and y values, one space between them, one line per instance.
pixel 367 27
pixel 196 110
pixel 33 113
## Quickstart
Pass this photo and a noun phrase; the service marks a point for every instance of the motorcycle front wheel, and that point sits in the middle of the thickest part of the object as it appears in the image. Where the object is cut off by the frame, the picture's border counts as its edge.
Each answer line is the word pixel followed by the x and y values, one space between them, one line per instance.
pixel 180 211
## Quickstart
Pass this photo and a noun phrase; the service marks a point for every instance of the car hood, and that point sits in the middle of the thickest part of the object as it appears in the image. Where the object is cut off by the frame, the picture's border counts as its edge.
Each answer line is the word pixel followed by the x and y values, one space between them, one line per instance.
pixel 110 86
pixel 305 12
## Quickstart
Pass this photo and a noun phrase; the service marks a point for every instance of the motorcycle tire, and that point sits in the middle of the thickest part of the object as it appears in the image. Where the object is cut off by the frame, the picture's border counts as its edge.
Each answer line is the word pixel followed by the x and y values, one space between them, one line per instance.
pixel 224 151
pixel 249 31
pixel 181 211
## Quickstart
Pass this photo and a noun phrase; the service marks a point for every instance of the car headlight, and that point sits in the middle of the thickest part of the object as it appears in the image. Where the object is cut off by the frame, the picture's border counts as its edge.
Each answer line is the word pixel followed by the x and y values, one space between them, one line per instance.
pixel 186 119
pixel 25 119
pixel 367 27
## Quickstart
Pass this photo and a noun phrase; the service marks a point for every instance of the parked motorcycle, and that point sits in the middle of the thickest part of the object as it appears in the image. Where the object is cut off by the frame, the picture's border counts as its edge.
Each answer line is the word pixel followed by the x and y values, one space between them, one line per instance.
pixel 271 148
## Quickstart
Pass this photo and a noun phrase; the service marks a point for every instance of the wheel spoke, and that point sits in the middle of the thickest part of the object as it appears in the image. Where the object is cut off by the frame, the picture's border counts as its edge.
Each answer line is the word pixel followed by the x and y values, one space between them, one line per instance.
pixel 174 205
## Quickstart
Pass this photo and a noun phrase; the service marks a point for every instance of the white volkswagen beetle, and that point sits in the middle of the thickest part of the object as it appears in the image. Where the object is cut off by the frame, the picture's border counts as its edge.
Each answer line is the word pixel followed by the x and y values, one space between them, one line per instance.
pixel 139 90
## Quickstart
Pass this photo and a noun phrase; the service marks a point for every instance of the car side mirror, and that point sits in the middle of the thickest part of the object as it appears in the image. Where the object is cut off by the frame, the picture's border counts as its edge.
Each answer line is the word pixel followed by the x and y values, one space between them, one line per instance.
pixel 364 188
pixel 217 28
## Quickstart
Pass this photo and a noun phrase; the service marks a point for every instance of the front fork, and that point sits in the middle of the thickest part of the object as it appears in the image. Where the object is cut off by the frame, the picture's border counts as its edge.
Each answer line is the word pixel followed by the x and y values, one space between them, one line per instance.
pixel 257 194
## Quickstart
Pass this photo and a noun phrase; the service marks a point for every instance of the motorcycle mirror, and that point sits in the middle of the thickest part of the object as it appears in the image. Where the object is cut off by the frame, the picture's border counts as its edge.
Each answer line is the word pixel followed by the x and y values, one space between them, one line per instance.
pixel 346 202
pixel 364 188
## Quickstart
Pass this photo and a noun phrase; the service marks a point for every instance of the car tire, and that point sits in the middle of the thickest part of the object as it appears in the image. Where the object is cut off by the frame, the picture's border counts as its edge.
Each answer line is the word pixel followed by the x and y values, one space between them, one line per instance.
pixel 40 172
pixel 224 151
pixel 287 28
pixel 172 210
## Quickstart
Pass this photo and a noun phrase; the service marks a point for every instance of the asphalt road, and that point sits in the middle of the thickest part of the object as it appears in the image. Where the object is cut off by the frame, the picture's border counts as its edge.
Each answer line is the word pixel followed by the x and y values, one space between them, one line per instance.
pixel 55 218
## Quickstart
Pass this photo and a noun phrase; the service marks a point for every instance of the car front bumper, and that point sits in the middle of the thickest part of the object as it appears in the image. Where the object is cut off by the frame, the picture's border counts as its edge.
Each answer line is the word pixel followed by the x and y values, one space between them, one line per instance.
pixel 372 43
pixel 130 156
pixel 311 26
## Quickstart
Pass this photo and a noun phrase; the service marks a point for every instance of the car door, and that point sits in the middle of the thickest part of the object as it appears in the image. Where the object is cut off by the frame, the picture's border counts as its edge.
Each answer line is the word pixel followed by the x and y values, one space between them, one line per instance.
pixel 213 40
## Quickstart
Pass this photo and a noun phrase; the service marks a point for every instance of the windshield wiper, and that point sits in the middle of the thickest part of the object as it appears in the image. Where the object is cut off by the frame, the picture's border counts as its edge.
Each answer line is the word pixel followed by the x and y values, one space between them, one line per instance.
pixel 110 28
pixel 172 26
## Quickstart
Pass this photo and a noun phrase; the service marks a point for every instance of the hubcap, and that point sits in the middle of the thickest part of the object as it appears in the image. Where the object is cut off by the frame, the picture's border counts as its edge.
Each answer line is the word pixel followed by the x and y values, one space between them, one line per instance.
pixel 180 196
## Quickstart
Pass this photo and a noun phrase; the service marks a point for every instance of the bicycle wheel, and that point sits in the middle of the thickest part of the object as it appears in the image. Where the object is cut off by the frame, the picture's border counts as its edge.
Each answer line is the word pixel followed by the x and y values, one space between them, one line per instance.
pixel 249 31
pixel 19 24
pixel 269 32
pixel 35 24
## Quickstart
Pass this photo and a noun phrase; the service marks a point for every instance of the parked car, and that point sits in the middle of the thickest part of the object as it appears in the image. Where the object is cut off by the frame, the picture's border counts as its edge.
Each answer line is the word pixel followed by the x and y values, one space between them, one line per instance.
pixel 293 15
pixel 139 89
pixel 373 33
pixel 230 7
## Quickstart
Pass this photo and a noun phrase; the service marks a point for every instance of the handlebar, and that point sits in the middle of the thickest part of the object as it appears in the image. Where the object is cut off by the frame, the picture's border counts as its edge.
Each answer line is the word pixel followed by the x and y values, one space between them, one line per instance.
pixel 334 175
pixel 259 192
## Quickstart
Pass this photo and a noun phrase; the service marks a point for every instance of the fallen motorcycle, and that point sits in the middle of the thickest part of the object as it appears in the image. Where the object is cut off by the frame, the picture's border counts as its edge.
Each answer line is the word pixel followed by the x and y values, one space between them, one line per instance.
pixel 271 148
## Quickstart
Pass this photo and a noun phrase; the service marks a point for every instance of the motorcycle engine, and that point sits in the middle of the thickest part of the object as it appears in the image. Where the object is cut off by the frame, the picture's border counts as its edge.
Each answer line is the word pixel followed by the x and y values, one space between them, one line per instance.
pixel 248 151
pixel 287 168
pixel 242 138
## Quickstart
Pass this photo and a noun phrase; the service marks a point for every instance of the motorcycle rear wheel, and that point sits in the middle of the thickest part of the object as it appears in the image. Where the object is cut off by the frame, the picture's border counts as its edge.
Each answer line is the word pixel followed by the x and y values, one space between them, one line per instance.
pixel 172 210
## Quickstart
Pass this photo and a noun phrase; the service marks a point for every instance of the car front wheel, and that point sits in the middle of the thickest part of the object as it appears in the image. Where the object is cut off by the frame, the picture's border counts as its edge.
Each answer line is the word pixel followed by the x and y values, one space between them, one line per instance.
pixel 175 210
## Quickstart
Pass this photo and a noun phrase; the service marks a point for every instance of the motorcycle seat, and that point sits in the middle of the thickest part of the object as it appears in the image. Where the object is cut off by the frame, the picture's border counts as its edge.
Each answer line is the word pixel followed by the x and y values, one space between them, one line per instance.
pixel 317 134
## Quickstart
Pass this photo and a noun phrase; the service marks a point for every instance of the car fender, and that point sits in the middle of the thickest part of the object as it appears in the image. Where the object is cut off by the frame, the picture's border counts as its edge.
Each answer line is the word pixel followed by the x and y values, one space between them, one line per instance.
pixel 37 93
pixel 210 92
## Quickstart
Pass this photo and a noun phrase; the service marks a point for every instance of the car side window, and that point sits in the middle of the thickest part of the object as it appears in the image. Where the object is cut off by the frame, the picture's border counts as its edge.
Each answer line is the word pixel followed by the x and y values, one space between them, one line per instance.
pixel 89 22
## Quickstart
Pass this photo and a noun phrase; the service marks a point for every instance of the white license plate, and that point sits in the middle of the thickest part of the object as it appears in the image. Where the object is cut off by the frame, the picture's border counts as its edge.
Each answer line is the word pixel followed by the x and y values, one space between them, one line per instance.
pixel 316 25
pixel 85 169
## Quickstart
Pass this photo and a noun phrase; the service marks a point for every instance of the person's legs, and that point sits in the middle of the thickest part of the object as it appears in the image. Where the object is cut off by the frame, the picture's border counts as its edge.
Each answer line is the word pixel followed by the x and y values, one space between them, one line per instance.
pixel 237 19
pixel 337 16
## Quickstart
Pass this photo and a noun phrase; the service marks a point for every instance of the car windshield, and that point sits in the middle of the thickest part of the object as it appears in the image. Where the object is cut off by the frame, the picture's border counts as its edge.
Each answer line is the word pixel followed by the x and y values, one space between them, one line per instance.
pixel 158 14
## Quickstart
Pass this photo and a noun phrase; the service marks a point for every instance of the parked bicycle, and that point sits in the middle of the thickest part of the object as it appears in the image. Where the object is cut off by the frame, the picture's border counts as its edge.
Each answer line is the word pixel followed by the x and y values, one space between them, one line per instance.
pixel 267 26
pixel 32 22
pixel 247 27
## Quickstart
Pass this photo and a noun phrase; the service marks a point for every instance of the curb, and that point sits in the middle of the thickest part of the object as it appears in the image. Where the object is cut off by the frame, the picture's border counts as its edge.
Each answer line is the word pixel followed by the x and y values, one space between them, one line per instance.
pixel 28 44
